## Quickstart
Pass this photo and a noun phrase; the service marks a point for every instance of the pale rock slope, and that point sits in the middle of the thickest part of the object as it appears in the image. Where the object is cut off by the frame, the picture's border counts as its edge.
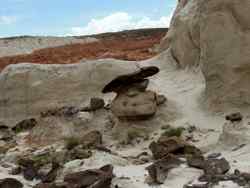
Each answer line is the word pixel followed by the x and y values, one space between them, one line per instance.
pixel 215 36
pixel 26 45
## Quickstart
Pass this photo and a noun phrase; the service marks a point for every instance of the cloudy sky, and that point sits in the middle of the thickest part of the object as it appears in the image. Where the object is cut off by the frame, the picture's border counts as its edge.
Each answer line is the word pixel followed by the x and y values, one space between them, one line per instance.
pixel 81 17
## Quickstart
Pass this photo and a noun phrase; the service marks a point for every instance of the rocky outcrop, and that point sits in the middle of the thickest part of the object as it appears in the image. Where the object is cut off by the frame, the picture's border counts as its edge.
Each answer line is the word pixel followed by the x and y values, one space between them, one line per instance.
pixel 214 35
pixel 29 89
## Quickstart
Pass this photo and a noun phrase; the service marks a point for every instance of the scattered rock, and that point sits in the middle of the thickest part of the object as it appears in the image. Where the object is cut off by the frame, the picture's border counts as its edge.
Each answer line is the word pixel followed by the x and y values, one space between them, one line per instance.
pixel 24 125
pixel 213 155
pixel 165 146
pixel 234 117
pixel 97 178
pixel 95 104
pixel 52 174
pixel 172 145
pixel 66 111
pixel 214 170
pixel 51 185
pixel 196 161
pixel 16 171
pixel 5 133
pixel 158 171
pixel 79 152
pixel 160 99
pixel 10 183
pixel 29 170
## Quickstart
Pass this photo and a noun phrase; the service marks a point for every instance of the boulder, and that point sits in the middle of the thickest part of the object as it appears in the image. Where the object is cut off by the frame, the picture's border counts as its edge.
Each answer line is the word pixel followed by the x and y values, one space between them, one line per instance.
pixel 134 105
pixel 95 104
pixel 50 185
pixel 172 145
pixel 97 178
pixel 158 171
pixel 10 183
pixel 234 117
pixel 165 146
pixel 24 125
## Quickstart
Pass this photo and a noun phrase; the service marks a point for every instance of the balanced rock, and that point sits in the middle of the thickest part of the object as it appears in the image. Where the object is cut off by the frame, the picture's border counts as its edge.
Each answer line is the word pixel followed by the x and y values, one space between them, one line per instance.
pixel 133 101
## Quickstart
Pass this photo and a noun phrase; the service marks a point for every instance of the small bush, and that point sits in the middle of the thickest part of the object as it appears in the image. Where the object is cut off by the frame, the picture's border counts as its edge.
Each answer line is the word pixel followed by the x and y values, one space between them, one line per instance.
pixel 173 132
pixel 71 142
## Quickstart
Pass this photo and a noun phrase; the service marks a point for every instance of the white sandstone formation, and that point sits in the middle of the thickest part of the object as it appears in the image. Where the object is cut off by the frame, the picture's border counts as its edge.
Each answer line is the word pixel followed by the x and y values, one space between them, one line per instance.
pixel 214 35
pixel 29 89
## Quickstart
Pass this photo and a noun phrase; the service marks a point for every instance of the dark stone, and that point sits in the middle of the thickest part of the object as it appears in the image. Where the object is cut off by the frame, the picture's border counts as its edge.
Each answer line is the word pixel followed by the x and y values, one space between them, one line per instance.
pixel 51 176
pixel 172 145
pixel 165 146
pixel 129 79
pixel 10 183
pixel 160 99
pixel 158 171
pixel 216 166
pixel 213 155
pixel 30 173
pixel 234 117
pixel 79 153
pixel 196 161
pixel 16 171
pixel 66 111
pixel 51 185
pixel 97 178
pixel 96 103
pixel 24 125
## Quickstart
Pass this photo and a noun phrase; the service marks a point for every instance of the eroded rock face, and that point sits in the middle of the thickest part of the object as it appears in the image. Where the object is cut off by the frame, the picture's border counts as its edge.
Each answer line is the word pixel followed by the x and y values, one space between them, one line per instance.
pixel 29 89
pixel 214 34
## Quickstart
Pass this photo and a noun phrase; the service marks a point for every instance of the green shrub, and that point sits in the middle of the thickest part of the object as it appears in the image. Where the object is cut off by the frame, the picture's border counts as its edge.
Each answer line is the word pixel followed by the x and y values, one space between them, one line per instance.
pixel 71 142
pixel 173 132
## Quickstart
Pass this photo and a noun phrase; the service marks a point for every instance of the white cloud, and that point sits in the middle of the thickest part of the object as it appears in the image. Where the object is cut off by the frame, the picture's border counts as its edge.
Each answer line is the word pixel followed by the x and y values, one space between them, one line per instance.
pixel 120 21
pixel 7 20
